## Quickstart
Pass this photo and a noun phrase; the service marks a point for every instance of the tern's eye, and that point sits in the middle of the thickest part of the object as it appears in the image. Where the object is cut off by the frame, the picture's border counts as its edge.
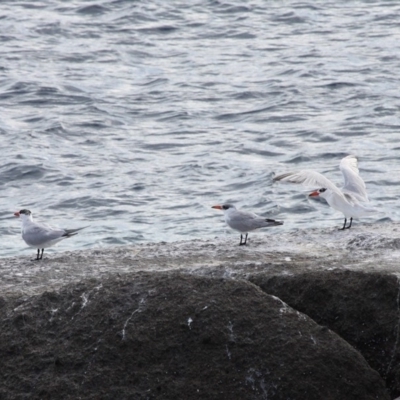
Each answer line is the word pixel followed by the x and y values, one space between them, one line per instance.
pixel 225 207
pixel 322 190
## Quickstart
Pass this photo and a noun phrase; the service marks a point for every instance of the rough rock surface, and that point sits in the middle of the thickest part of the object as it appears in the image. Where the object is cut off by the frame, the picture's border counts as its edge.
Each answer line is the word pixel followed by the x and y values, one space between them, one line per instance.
pixel 162 335
pixel 56 314
pixel 363 308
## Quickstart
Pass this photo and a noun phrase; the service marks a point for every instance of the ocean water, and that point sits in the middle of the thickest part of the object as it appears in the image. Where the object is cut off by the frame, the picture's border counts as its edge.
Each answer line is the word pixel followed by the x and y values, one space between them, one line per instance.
pixel 135 117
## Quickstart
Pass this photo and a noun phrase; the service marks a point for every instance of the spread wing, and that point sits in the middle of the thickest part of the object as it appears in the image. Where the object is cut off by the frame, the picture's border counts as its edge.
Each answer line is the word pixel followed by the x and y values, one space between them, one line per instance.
pixel 310 178
pixel 353 183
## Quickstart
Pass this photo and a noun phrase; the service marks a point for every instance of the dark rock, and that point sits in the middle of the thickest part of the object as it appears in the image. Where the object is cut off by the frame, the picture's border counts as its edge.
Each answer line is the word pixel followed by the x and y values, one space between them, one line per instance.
pixel 362 308
pixel 172 336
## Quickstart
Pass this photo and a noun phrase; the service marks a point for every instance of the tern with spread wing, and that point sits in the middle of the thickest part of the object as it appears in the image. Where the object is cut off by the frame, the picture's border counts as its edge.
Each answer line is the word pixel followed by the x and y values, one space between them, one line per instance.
pixel 350 200
pixel 244 221
pixel 41 236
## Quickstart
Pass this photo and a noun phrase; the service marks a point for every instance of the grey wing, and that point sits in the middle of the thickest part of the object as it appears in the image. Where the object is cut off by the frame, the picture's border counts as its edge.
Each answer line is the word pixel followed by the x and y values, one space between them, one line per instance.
pixel 246 221
pixel 39 234
pixel 353 183
pixel 310 178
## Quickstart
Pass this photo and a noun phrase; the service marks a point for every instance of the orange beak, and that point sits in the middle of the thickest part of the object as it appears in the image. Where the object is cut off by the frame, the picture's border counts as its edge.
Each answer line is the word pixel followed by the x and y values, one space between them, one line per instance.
pixel 16 214
pixel 314 194
pixel 218 207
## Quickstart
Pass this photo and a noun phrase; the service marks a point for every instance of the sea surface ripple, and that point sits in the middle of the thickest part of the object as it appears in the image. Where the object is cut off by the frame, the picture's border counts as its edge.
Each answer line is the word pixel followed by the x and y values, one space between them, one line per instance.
pixel 136 117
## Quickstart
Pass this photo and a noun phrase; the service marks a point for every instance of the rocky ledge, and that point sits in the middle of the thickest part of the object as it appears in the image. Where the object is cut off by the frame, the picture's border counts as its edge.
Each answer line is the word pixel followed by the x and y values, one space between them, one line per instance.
pixel 302 315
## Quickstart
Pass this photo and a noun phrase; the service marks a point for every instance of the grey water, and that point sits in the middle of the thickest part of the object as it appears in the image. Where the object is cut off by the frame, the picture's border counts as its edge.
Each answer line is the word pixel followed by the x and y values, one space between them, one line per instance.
pixel 135 117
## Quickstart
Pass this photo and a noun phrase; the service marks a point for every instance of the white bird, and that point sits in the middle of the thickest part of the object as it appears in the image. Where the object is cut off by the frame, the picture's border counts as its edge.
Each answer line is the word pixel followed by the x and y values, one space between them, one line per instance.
pixel 41 236
pixel 347 200
pixel 244 221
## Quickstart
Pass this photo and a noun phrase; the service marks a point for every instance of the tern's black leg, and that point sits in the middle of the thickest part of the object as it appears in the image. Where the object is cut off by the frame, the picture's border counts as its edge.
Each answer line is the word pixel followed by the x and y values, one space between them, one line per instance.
pixel 344 225
pixel 351 220
pixel 241 240
pixel 37 256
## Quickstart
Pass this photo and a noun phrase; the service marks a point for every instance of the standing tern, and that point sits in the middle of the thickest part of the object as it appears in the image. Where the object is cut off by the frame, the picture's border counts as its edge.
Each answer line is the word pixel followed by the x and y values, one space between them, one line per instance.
pixel 41 236
pixel 244 221
pixel 348 200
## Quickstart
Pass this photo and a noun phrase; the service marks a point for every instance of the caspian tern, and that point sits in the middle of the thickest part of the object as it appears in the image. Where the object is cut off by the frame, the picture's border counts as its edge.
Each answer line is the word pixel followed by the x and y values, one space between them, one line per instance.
pixel 244 221
pixel 347 200
pixel 41 236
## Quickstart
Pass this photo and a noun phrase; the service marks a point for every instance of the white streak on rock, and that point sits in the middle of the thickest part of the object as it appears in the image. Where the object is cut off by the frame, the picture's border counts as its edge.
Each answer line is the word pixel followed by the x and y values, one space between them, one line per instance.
pixel 142 301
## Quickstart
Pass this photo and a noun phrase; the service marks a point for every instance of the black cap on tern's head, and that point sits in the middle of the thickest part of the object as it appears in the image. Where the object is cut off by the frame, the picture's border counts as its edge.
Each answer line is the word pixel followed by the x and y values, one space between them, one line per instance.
pixel 24 211
pixel 224 206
